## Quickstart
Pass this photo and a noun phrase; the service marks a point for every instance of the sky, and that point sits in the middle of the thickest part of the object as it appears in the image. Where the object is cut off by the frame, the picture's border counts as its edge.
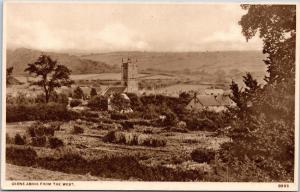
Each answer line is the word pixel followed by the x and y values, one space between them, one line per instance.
pixel 106 27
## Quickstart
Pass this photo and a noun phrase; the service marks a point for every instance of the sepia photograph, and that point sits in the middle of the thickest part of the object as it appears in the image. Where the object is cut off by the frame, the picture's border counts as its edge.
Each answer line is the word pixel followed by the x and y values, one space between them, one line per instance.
pixel 149 95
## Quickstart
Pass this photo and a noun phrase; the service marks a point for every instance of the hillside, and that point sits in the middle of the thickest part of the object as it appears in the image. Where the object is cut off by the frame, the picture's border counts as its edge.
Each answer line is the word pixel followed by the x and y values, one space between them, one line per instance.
pixel 251 61
pixel 19 59
pixel 187 62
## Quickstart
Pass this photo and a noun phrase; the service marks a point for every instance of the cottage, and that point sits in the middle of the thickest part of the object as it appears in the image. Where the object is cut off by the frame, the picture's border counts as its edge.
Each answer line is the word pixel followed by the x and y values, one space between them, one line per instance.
pixel 215 103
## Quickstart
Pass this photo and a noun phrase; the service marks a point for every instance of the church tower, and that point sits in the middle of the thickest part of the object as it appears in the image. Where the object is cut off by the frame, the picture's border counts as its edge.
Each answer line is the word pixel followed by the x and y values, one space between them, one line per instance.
pixel 129 75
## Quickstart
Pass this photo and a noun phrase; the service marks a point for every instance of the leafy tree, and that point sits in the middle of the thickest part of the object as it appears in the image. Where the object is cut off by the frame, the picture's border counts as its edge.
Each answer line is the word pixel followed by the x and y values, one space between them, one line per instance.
pixel 276 25
pixel 98 102
pixel 93 92
pixel 9 78
pixel 49 74
pixel 9 72
pixel 78 93
pixel 135 102
pixel 263 132
pixel 118 102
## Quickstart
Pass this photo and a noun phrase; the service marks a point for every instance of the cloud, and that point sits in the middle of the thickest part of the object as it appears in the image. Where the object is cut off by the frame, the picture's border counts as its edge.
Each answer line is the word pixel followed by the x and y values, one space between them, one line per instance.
pixel 232 39
pixel 131 27
pixel 120 37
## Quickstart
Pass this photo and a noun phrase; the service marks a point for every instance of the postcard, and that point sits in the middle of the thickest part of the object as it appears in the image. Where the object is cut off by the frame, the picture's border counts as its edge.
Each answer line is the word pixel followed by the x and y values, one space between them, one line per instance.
pixel 150 96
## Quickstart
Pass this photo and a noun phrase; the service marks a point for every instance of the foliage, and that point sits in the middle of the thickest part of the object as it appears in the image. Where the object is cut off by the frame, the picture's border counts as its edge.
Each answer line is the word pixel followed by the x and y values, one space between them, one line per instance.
pixel 118 102
pixel 9 72
pixel 134 139
pixel 19 140
pixel 135 102
pixel 39 129
pixel 9 139
pixel 206 120
pixel 78 93
pixel 31 112
pixel 78 129
pixel 50 74
pixel 21 155
pixel 127 125
pixel 171 118
pixel 93 92
pixel 55 142
pixel 276 25
pixel 39 141
pixel 185 97
pixel 118 116
pixel 203 155
pixel 98 102
pixel 164 103
pixel 75 102
pixel 263 131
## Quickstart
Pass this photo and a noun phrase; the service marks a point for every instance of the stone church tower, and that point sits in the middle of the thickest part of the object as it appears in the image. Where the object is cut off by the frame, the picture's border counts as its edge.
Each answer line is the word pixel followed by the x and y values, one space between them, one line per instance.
pixel 129 75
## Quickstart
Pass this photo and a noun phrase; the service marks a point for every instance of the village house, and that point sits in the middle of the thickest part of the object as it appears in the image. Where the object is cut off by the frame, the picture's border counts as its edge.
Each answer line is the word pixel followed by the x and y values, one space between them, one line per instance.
pixel 216 103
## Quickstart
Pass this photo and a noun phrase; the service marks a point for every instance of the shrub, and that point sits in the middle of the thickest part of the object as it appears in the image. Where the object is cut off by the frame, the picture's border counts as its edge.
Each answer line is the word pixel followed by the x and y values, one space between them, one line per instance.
pixel 38 129
pixel 148 131
pixel 118 116
pixel 108 126
pixel 39 141
pixel 78 93
pixel 32 112
pixel 171 118
pixel 55 142
pixel 150 112
pixel 134 139
pixel 154 142
pixel 78 129
pixel 118 102
pixel 181 125
pixel 21 155
pixel 135 102
pixel 75 102
pixel 98 103
pixel 19 140
pixel 55 125
pixel 49 131
pixel 203 124
pixel 90 114
pixel 110 137
pixel 202 155
pixel 9 140
pixel 177 129
pixel 93 92
pixel 127 125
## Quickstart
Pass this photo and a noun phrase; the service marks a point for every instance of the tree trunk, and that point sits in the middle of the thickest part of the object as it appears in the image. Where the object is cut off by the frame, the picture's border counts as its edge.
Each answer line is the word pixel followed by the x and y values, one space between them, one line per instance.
pixel 47 96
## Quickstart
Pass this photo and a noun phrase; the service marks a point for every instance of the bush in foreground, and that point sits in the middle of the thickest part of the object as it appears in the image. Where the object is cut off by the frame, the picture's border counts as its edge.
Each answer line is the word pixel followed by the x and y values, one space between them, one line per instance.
pixel 39 129
pixel 55 142
pixel 21 155
pixel 98 103
pixel 75 102
pixel 39 111
pixel 19 140
pixel 134 139
pixel 202 155
pixel 39 141
pixel 78 130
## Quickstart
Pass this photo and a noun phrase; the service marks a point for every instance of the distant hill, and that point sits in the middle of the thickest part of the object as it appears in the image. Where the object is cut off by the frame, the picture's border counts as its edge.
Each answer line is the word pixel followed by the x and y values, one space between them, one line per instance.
pixel 19 59
pixel 251 61
pixel 186 62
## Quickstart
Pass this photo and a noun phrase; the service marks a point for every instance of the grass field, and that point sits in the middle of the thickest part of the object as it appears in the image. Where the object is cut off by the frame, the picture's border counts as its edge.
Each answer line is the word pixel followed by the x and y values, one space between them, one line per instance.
pixel 175 154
